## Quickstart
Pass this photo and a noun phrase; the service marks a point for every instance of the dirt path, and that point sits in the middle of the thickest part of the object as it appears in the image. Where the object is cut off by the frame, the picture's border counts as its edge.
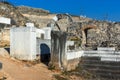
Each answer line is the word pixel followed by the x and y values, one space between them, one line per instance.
pixel 16 70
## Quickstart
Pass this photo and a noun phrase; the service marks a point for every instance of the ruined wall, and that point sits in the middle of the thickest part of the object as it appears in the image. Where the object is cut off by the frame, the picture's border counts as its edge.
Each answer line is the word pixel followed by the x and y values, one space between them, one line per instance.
pixel 61 58
pixel 107 35
pixel 58 49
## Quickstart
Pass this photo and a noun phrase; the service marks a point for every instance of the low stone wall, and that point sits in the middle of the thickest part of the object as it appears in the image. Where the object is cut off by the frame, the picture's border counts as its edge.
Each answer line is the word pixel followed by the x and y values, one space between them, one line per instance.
pixel 73 58
pixel 72 64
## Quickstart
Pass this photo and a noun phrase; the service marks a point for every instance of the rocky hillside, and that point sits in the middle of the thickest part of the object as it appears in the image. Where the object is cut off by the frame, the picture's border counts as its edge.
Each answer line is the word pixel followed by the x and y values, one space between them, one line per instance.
pixel 17 13
pixel 32 11
pixel 97 33
pixel 9 11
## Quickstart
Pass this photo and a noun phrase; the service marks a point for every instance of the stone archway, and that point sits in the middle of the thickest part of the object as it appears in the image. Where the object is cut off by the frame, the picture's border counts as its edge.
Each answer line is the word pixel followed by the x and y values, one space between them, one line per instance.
pixel 84 33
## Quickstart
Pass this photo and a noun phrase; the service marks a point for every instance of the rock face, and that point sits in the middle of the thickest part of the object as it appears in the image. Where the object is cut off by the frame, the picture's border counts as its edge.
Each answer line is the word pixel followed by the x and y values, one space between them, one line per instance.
pixel 107 34
pixel 32 11
pixel 4 53
pixel 10 11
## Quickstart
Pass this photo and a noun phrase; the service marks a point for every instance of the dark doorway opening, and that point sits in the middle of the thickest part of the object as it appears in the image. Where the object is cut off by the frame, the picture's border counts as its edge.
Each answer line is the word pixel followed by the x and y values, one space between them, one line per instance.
pixel 44 53
pixel 1 66
pixel 7 49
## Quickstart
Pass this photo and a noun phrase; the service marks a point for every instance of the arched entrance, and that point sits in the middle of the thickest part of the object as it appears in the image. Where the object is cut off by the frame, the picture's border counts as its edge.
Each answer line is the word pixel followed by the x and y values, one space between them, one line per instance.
pixel 45 53
pixel 84 33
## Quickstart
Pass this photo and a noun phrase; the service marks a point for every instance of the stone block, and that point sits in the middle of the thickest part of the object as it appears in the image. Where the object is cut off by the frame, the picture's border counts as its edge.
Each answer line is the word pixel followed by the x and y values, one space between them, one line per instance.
pixel 23 43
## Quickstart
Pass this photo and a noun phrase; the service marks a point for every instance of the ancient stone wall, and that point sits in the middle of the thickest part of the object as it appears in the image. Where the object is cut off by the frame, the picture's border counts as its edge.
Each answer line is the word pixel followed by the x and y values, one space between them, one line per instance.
pixel 58 49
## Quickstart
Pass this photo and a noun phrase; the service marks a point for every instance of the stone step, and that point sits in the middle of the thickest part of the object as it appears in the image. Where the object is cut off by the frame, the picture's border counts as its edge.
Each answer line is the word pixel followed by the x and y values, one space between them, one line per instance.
pixel 109 76
pixel 104 69
pixel 98 62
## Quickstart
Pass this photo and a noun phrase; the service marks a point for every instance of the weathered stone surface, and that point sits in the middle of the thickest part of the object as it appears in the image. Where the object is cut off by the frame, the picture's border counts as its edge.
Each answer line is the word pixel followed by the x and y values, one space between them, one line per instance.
pixel 10 11
pixel 4 52
pixel 107 34
pixel 72 64
pixel 32 11
pixel 58 49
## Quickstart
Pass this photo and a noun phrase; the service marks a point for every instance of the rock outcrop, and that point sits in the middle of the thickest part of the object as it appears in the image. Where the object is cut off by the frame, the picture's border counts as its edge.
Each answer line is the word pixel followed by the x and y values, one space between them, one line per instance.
pixel 106 34
pixel 32 11
pixel 9 11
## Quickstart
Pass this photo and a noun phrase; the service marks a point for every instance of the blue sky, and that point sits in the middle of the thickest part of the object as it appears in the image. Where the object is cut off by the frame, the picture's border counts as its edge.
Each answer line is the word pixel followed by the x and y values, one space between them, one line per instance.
pixel 97 9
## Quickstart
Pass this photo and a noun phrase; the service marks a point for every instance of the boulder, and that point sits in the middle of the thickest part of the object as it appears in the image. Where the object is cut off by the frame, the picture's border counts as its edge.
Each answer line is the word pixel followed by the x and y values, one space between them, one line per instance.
pixel 4 53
